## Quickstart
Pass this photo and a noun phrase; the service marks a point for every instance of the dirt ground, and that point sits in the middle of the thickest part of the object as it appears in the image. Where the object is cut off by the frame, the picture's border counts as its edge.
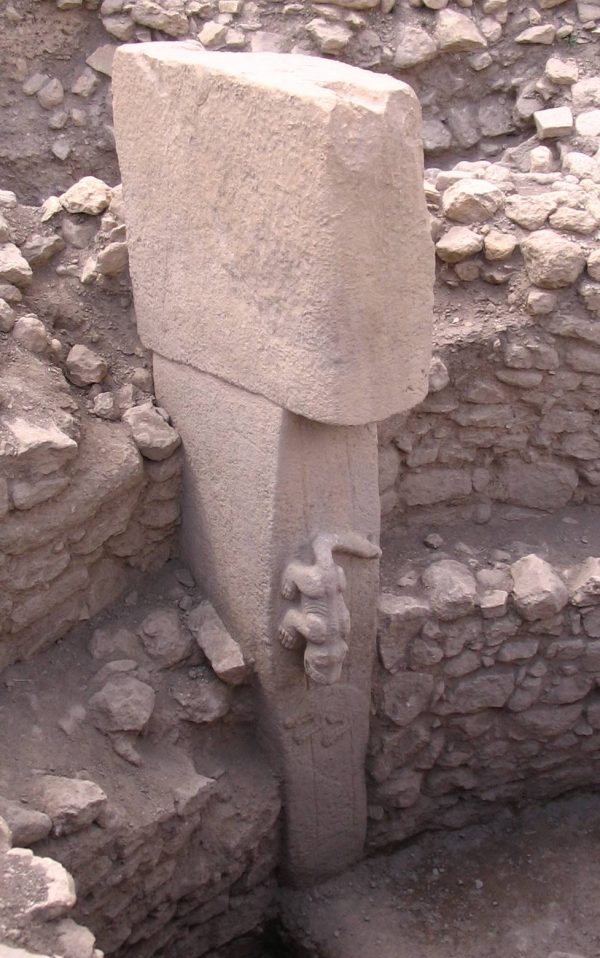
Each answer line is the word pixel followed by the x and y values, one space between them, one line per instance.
pixel 525 886
pixel 563 538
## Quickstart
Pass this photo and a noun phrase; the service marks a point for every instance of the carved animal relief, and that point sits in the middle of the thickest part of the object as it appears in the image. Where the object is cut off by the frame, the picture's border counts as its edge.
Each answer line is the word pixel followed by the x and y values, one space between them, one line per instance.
pixel 320 618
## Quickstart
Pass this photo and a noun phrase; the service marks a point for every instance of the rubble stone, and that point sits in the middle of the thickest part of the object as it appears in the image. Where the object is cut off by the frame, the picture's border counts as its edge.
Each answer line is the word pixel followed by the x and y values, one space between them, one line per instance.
pixel 71 803
pixel 153 436
pixel 124 704
pixel 471 201
pixel 223 653
pixel 84 366
pixel 551 260
pixel 451 589
pixel 164 638
pixel 538 591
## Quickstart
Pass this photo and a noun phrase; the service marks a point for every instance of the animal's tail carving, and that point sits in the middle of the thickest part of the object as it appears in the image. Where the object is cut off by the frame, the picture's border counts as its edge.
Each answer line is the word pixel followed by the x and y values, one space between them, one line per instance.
pixel 351 543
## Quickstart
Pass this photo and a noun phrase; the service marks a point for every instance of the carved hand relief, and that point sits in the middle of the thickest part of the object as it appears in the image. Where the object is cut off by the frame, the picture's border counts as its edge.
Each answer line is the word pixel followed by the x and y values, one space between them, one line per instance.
pixel 320 618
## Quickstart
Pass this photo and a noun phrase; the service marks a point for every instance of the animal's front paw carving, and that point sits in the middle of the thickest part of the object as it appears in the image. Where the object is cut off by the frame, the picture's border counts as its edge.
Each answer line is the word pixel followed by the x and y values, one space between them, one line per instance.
pixel 288 640
pixel 288 589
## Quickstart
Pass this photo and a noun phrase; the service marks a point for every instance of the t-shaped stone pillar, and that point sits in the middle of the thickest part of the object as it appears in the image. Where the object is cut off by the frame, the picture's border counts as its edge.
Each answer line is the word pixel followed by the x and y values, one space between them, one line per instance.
pixel 283 272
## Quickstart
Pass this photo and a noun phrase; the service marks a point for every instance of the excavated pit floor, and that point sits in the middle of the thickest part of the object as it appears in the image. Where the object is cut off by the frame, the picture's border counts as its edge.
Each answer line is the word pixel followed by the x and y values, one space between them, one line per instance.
pixel 523 886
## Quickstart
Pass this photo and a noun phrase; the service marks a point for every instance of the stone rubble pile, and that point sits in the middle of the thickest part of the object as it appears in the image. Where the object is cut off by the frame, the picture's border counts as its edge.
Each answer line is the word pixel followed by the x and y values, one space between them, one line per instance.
pixel 179 857
pixel 486 691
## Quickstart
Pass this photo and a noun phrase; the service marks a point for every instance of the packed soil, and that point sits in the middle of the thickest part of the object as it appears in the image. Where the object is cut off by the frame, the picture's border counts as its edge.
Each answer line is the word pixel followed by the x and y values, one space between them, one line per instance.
pixel 524 886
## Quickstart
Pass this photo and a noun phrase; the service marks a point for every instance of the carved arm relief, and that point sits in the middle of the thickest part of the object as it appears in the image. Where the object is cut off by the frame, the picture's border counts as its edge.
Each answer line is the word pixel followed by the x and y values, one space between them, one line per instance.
pixel 320 619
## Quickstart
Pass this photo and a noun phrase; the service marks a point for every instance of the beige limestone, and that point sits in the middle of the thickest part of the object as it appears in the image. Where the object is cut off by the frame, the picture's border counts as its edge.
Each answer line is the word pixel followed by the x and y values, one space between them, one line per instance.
pixel 253 505
pixel 277 227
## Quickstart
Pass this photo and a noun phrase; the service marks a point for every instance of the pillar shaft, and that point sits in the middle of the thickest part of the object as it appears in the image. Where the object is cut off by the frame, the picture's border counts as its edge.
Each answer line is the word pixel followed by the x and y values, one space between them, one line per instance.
pixel 261 486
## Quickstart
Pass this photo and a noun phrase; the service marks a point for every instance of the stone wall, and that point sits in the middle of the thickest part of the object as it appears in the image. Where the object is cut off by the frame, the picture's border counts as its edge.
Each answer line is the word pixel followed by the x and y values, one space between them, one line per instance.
pixel 485 690
pixel 511 420
pixel 143 779
pixel 81 509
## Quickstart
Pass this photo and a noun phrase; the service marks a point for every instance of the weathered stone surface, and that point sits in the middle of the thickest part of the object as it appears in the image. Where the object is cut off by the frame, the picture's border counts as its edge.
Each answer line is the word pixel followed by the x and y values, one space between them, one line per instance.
pixel 202 702
pixel 89 195
pixel 84 366
pixel 551 260
pixel 223 653
pixel 26 824
pixel 538 591
pixel 331 38
pixel 152 434
pixel 43 448
pixel 548 721
pixel 424 487
pixel 71 803
pixel 458 244
pixel 164 638
pixel 168 16
pixel 406 695
pixel 26 495
pixel 124 704
pixel 562 72
pixel 30 332
pixel 57 895
pixel 415 46
pixel 457 33
pixel 472 201
pixel 584 583
pixel 451 589
pixel 555 122
pixel 345 153
pixel 489 689
pixel 400 619
pixel 14 268
pixel 113 259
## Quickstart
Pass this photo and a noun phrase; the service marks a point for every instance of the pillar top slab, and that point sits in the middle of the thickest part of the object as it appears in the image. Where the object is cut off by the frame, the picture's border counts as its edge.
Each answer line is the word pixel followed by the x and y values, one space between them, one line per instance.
pixel 277 227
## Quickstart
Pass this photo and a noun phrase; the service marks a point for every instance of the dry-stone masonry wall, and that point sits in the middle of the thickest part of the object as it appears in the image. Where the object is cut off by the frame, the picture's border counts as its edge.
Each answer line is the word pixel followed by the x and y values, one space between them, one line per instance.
pixel 143 780
pixel 485 691
pixel 513 420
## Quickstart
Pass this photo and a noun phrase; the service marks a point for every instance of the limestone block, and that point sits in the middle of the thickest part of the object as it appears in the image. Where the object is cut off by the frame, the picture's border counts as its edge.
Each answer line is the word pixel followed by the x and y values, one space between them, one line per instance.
pixel 451 589
pixel 89 195
pixel 26 824
pixel 124 704
pixel 277 276
pixel 223 653
pixel 14 268
pixel 538 591
pixel 54 889
pixel 558 121
pixel 71 803
pixel 551 260
pixel 164 638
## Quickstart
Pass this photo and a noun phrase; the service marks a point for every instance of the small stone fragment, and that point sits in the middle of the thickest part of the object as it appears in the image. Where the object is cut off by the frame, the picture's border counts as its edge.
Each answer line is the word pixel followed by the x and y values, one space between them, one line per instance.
pixel 112 260
pixel 584 583
pixel 498 245
pixel 416 46
pixel 26 824
pixel 31 333
pixel 89 195
pixel 457 244
pixel 331 38
pixel 457 33
pixel 124 704
pixel 562 72
pixel 471 201
pixel 84 366
pixel 164 638
pixel 544 33
pixel 538 591
pixel 154 437
pixel 71 803
pixel 51 94
pixel 557 121
pixel 14 268
pixel 451 589
pixel 223 653
pixel 551 260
